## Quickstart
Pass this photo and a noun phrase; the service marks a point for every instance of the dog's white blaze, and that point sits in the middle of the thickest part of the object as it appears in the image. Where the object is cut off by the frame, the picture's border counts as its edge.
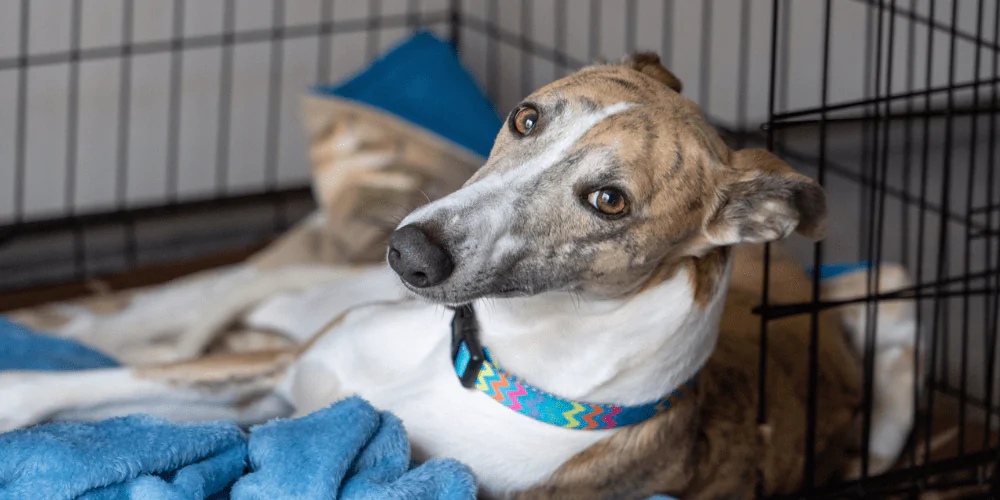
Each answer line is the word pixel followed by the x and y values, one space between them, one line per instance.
pixel 567 138
pixel 526 174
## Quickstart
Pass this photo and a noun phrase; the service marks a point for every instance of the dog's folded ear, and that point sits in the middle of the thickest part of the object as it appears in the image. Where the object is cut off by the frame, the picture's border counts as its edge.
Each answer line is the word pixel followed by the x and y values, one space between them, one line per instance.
pixel 648 63
pixel 763 199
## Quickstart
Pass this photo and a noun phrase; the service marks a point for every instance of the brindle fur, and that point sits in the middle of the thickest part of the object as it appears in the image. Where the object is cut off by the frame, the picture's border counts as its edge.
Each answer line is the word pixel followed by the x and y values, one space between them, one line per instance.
pixel 711 445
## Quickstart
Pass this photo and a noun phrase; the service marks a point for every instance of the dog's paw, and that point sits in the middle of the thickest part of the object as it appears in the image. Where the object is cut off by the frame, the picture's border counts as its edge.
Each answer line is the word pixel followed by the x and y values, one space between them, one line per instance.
pixel 19 400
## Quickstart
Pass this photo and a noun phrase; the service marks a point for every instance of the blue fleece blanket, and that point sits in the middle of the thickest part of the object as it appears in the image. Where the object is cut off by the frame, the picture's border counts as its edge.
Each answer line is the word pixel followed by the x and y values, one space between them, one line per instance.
pixel 130 457
pixel 348 450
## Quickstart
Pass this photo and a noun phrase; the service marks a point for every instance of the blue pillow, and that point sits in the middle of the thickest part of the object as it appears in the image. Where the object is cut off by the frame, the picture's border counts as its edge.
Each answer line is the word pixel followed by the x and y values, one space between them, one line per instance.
pixel 423 82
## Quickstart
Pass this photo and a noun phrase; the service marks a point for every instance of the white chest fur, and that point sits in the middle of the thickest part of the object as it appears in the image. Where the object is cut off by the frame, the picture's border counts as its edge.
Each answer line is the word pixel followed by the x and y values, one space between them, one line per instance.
pixel 398 358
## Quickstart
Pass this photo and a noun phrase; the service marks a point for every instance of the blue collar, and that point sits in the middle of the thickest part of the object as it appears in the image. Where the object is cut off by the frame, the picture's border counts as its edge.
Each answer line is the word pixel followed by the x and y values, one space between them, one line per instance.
pixel 475 368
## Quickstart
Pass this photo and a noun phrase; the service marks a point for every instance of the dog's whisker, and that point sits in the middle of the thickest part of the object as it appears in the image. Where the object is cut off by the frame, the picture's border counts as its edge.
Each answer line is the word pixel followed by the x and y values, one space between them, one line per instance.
pixel 575 297
pixel 425 195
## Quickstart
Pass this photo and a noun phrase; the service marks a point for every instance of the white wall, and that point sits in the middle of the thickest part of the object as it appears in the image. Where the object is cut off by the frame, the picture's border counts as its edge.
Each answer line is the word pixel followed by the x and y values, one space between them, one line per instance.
pixel 672 27
pixel 679 38
pixel 100 86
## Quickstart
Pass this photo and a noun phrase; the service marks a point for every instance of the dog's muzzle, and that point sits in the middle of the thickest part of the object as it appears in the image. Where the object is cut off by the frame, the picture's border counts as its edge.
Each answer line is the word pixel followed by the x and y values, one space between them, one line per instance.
pixel 419 261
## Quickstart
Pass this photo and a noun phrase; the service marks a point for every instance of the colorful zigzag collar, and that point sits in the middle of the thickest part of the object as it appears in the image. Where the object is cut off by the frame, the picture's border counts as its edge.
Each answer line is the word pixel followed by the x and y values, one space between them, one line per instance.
pixel 475 368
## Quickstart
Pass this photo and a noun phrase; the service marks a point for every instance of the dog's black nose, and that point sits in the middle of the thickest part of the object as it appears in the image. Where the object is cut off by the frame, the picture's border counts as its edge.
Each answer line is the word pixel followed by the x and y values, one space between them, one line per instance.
pixel 418 260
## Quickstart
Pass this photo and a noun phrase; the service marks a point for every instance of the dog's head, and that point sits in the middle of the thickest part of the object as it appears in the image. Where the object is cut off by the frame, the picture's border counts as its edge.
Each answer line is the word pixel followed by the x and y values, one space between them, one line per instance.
pixel 594 183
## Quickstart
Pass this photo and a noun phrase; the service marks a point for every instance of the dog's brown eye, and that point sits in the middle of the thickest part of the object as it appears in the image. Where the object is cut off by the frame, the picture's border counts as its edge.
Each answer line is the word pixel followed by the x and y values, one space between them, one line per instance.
pixel 608 201
pixel 525 119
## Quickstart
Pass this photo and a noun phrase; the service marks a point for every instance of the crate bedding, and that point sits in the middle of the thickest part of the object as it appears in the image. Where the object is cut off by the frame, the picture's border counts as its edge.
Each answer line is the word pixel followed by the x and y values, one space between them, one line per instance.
pixel 347 450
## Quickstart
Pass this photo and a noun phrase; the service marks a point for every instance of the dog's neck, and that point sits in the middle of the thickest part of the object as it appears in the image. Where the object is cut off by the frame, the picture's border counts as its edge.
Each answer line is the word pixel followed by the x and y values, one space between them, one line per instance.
pixel 625 351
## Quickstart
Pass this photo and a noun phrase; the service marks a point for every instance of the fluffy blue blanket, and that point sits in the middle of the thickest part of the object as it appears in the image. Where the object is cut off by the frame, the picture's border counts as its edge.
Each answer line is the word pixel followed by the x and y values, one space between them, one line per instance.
pixel 348 450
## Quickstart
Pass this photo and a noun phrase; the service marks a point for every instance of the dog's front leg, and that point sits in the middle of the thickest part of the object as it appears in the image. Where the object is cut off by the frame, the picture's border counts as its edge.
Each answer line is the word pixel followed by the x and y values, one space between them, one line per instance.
pixel 207 388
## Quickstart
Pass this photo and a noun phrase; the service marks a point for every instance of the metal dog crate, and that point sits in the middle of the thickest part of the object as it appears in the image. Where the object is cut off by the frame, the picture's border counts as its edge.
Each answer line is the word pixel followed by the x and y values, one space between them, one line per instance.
pixel 143 133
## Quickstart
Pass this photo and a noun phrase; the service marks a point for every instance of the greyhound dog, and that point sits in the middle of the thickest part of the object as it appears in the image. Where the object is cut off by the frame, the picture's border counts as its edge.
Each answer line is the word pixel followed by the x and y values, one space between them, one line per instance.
pixel 574 322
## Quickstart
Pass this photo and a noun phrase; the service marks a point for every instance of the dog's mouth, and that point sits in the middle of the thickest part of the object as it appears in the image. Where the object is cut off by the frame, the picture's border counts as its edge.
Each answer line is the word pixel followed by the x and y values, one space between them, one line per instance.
pixel 442 296
pixel 509 292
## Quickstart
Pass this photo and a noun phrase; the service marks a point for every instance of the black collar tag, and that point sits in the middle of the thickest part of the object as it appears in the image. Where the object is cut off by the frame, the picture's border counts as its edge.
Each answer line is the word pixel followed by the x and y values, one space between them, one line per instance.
pixel 465 329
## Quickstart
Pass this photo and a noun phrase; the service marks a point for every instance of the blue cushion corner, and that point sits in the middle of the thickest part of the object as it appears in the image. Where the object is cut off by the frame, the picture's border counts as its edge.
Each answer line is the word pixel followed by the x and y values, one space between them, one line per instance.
pixel 422 80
